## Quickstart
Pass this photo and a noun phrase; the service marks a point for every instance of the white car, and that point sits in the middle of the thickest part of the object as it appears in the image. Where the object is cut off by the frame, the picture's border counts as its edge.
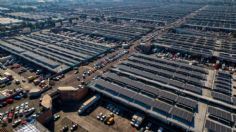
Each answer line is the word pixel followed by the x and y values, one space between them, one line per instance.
pixel 103 117
pixel 99 116
pixel 17 108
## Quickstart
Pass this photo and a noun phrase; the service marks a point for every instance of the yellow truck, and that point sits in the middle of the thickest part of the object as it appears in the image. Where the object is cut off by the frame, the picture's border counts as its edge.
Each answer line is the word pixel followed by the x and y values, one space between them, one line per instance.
pixel 31 78
pixel 110 119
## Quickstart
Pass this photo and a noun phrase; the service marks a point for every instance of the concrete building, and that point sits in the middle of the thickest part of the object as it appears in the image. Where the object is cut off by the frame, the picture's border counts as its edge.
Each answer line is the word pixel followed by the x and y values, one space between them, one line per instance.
pixel 71 93
pixel 47 109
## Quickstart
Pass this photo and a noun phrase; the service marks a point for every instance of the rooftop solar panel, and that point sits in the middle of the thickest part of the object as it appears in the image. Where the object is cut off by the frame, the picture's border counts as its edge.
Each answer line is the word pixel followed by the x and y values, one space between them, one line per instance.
pixel 221 97
pixel 168 96
pixel 133 83
pixel 144 99
pixel 216 127
pixel 221 114
pixel 175 83
pixel 182 114
pixel 234 100
pixel 127 93
pixel 185 102
pixel 107 85
pixel 193 88
pixel 164 107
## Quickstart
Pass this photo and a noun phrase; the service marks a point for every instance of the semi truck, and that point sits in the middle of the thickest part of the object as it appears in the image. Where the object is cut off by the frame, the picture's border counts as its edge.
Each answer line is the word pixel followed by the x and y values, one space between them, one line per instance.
pixel 88 103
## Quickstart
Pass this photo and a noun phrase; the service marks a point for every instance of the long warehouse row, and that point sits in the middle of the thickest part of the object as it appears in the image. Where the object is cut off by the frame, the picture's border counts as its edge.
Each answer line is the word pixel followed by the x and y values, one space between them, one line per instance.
pixel 53 52
pixel 110 31
pixel 216 18
pixel 165 89
pixel 205 46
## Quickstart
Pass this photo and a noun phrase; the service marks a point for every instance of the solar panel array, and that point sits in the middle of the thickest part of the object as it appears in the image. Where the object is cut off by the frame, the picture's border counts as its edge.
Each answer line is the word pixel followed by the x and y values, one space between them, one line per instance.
pixel 216 127
pixel 220 115
pixel 182 76
pixel 110 31
pixel 148 102
pixel 51 51
pixel 152 14
pixel 222 89
pixel 151 83
pixel 166 88
pixel 196 44
pixel 216 18
pixel 187 43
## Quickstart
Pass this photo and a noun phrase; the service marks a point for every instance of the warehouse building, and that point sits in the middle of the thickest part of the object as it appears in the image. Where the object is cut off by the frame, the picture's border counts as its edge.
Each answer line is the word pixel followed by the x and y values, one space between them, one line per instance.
pixel 72 94
pixel 54 52
pixel 110 31
pixel 173 92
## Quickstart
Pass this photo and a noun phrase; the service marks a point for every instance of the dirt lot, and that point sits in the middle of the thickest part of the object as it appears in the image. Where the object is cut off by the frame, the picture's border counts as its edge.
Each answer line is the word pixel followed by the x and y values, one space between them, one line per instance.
pixel 27 86
pixel 90 123
pixel 67 122
pixel 32 103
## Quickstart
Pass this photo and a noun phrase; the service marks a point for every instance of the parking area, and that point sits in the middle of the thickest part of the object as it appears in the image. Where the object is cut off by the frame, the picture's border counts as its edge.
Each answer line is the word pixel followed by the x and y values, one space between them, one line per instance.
pixel 16 107
pixel 98 117
pixel 19 112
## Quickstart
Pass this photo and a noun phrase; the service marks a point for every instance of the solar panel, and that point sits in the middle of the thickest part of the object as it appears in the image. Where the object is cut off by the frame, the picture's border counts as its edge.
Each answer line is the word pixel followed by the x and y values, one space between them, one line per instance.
pixel 222 97
pixel 175 83
pixel 224 74
pixel 234 100
pixel 220 114
pixel 187 103
pixel 133 83
pixel 127 93
pixel 167 96
pixel 149 69
pixel 222 86
pixel 222 90
pixel 193 88
pixel 161 106
pixel 182 114
pixel 107 85
pixel 123 80
pixel 144 99
pixel 194 81
pixel 216 127
pixel 234 117
pixel 223 81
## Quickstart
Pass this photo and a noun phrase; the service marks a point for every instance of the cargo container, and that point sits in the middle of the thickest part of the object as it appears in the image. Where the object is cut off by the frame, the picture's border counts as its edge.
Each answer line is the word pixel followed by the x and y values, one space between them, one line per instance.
pixel 88 103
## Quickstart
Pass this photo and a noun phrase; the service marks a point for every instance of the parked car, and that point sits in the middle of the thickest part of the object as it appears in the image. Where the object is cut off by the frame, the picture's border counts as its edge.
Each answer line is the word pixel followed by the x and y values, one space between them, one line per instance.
pixel 17 97
pixel 10 101
pixel 56 117
pixel 99 116
pixel 74 127
pixel 64 129
pixel 17 82
pixel 16 123
pixel 10 116
pixel 103 117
